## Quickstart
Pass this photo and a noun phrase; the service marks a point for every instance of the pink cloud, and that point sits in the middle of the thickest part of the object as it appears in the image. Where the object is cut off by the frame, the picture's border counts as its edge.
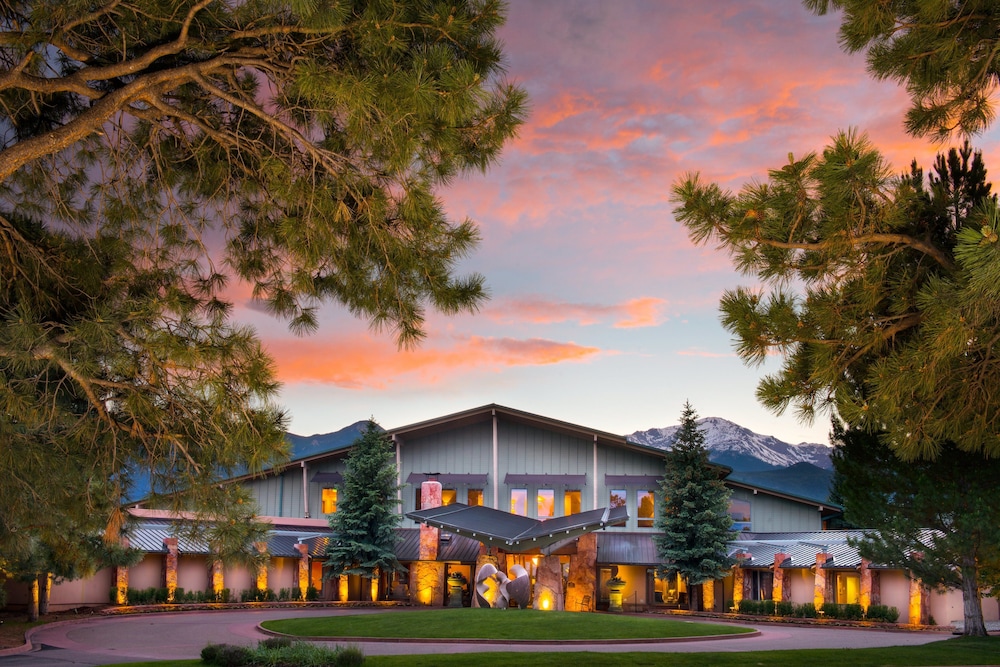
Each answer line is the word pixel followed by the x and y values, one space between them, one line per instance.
pixel 366 362
pixel 640 312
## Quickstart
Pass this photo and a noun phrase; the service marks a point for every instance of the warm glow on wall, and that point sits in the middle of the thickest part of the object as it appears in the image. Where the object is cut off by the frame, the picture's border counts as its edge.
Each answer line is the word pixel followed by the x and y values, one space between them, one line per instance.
pixel 425 595
pixel 546 601
pixel 374 589
pixel 342 590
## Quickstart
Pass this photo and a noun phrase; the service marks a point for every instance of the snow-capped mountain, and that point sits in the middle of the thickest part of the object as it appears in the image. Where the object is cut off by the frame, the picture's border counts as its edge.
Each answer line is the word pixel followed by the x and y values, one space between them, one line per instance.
pixel 740 448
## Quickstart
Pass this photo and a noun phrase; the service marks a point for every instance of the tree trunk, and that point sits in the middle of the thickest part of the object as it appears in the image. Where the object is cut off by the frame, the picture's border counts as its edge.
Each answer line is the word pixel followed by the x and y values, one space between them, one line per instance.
pixel 971 602
pixel 33 600
pixel 44 591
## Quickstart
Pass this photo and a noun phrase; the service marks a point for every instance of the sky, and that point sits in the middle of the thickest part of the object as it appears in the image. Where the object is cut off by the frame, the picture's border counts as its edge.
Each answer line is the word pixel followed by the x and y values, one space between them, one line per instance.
pixel 602 312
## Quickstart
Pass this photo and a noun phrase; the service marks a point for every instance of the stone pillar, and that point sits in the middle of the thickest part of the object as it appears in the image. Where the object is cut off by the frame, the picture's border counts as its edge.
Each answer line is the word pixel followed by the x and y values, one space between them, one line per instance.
pixel 218 578
pixel 430 497
pixel 45 592
pixel 170 567
pixel 343 590
pixel 876 586
pixel 427 583
pixel 261 548
pixel 778 592
pixel 121 579
pixel 303 550
pixel 739 580
pixel 819 586
pixel 918 607
pixel 708 596
pixel 581 587
pixel 549 585
pixel 865 594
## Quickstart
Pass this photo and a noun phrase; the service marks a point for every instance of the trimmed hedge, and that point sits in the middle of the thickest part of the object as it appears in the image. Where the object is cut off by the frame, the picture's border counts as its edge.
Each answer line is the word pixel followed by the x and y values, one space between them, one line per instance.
pixel 281 652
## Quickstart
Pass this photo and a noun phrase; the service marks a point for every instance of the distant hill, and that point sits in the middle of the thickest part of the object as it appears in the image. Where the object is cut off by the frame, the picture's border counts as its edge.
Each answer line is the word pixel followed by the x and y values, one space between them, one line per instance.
pixel 303 446
pixel 740 448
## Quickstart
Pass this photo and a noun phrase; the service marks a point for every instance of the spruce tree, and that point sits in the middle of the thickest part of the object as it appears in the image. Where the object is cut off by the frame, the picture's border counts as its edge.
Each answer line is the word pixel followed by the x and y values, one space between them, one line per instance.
pixel 693 519
pixel 364 525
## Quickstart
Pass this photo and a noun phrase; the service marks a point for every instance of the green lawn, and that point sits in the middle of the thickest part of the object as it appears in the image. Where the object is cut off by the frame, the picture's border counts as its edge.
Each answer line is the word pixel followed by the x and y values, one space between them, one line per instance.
pixel 961 651
pixel 497 624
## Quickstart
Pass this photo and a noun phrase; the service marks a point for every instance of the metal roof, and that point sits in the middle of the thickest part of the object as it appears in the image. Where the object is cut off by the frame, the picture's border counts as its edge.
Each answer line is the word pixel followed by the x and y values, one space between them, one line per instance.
pixel 516 533
pixel 626 549
pixel 452 547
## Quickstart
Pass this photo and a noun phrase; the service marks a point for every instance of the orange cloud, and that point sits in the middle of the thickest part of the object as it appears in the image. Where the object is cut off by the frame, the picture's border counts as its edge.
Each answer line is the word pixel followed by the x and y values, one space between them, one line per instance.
pixel 641 312
pixel 366 362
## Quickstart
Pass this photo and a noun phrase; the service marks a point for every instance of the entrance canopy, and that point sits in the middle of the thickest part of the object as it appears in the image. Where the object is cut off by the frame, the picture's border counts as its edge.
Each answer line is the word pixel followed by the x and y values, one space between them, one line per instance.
pixel 516 533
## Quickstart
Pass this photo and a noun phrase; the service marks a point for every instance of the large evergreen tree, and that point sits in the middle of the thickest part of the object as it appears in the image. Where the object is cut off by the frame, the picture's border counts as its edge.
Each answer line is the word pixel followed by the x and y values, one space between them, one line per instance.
pixel 364 525
pixel 153 152
pixel 693 521
pixel 880 291
pixel 947 54
pixel 932 518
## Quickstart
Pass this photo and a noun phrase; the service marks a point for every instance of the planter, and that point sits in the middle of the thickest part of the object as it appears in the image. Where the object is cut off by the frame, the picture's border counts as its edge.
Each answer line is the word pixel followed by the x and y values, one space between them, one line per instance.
pixel 615 588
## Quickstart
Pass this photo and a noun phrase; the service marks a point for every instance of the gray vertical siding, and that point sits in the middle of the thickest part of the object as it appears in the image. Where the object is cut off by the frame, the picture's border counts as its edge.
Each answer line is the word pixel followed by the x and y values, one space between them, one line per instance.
pixel 771 514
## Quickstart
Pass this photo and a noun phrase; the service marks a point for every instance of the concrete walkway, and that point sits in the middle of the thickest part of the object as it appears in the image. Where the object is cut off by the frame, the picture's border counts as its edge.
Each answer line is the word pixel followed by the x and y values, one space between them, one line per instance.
pixel 103 641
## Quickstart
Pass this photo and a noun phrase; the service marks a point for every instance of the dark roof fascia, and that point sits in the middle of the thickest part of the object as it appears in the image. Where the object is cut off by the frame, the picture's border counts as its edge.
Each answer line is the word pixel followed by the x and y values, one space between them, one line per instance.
pixel 834 507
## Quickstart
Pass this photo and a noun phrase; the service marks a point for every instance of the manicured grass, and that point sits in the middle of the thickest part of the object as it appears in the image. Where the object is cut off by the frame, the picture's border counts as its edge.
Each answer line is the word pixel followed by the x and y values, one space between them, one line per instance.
pixel 963 651
pixel 497 624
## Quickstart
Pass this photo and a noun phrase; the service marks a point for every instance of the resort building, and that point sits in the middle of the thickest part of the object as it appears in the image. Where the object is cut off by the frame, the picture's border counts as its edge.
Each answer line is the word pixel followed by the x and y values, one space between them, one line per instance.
pixel 568 506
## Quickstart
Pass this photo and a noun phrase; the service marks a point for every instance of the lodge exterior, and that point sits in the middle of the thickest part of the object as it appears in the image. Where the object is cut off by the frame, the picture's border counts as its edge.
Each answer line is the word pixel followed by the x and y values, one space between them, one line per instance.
pixel 538 468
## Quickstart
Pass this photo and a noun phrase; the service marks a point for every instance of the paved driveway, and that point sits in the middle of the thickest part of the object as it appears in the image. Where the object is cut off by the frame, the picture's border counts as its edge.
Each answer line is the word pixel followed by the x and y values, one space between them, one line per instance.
pixel 103 641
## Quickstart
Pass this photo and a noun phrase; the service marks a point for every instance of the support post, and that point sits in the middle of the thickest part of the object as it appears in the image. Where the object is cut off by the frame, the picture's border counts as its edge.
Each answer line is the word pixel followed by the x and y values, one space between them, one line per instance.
pixel 170 567
pixel 819 585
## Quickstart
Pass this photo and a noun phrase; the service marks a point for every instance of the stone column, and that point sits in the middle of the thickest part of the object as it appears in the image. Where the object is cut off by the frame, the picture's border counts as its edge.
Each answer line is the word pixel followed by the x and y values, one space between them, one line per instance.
pixel 865 594
pixel 581 588
pixel 918 607
pixel 261 548
pixel 549 585
pixel 170 567
pixel 430 497
pixel 303 550
pixel 708 596
pixel 218 578
pixel 739 579
pixel 819 586
pixel 427 583
pixel 876 586
pixel 121 580
pixel 778 592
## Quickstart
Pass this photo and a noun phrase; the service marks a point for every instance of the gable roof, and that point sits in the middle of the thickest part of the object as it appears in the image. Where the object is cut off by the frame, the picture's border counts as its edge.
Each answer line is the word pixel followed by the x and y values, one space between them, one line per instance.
pixel 513 532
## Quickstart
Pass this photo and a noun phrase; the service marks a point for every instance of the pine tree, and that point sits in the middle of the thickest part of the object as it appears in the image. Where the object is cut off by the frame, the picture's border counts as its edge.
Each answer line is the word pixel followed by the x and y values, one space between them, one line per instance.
pixel 693 521
pixel 947 54
pixel 156 151
pixel 881 292
pixel 367 515
pixel 933 519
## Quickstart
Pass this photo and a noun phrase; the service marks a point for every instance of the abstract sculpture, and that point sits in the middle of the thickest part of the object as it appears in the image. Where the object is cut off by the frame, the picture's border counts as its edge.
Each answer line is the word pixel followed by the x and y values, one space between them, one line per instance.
pixel 495 589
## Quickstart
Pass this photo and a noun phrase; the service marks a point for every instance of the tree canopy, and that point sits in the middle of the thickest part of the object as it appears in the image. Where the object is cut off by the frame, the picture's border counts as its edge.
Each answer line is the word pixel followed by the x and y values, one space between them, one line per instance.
pixel 879 291
pixel 155 156
pixel 946 54
pixel 693 523
pixel 931 518
pixel 364 525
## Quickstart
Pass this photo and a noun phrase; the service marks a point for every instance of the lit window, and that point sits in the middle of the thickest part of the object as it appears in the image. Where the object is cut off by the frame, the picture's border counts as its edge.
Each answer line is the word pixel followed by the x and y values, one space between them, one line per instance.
pixel 418 499
pixel 618 497
pixel 546 503
pixel 329 501
pixel 475 497
pixel 646 503
pixel 571 503
pixel 519 501
pixel 448 496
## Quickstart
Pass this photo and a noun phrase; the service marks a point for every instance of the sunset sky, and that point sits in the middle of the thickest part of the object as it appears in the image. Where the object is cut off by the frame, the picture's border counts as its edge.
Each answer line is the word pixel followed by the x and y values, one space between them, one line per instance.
pixel 603 313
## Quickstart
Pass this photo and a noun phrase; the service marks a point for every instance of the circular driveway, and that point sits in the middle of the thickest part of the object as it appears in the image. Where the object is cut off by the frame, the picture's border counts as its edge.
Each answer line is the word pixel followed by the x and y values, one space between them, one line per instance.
pixel 165 636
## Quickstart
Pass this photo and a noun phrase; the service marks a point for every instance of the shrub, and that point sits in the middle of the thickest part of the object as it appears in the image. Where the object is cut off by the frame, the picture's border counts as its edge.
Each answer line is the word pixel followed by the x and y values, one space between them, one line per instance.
pixel 312 594
pixel 767 607
pixel 852 612
pixel 749 607
pixel 880 612
pixel 275 642
pixel 806 610
pixel 227 655
pixel 831 610
pixel 783 608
